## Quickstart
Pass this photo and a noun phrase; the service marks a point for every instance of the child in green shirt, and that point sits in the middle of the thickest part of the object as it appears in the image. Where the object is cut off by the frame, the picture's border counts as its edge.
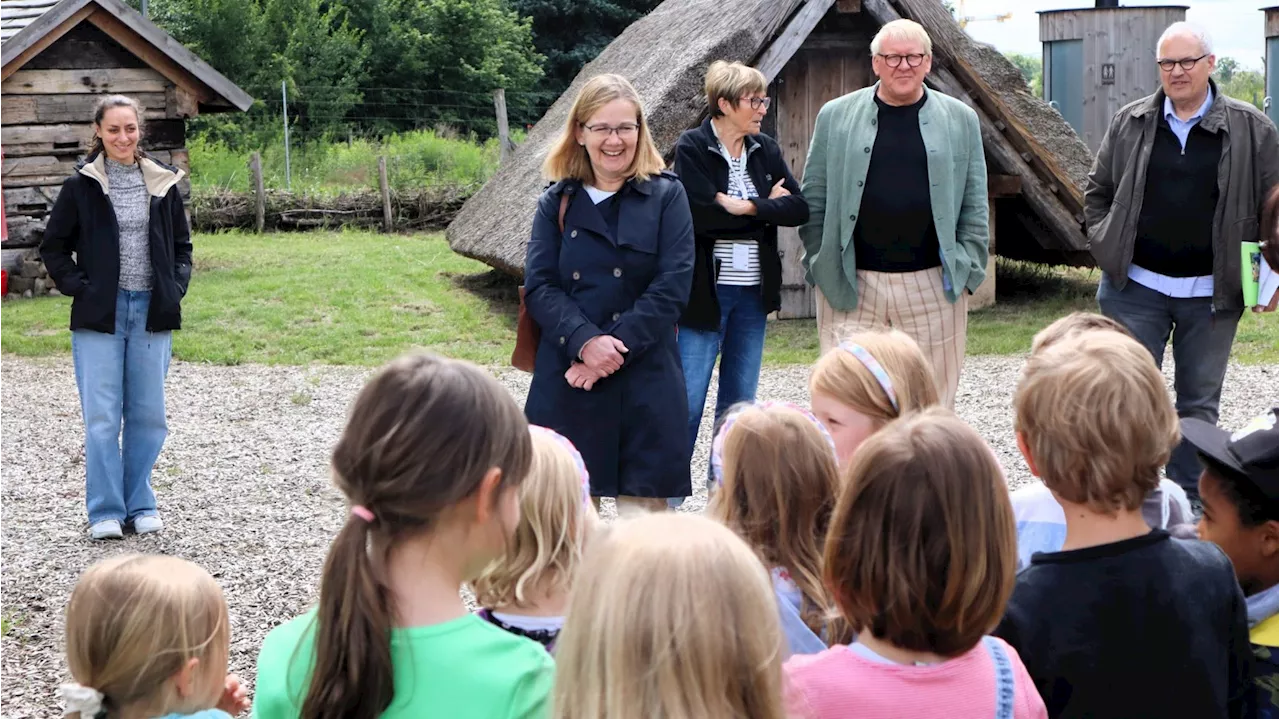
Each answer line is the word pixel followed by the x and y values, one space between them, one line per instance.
pixel 430 460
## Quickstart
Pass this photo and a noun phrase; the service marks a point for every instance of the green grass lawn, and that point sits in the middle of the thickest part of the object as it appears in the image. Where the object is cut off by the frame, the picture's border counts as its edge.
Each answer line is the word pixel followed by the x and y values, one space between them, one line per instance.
pixel 363 298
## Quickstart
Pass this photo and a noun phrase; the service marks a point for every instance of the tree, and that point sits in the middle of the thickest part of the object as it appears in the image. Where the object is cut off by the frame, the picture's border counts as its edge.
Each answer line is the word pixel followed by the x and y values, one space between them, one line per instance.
pixel 1247 85
pixel 571 33
pixel 1226 69
pixel 1031 69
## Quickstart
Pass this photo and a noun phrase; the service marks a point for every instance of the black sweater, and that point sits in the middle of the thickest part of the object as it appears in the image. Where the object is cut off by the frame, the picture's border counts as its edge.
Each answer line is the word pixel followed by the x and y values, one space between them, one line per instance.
pixel 1148 628
pixel 703 171
pixel 1175 225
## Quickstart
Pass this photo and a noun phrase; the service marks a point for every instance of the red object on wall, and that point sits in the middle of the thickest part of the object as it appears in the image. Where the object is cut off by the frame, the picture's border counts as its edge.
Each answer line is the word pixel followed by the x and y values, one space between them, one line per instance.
pixel 4 282
pixel 4 224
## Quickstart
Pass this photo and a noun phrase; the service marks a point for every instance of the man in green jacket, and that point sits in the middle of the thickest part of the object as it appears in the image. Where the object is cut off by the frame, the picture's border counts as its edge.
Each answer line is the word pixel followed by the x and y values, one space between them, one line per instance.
pixel 896 183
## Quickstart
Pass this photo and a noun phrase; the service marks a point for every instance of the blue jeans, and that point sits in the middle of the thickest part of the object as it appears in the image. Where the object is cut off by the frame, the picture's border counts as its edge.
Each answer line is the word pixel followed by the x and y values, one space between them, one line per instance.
pixel 1201 347
pixel 121 381
pixel 740 344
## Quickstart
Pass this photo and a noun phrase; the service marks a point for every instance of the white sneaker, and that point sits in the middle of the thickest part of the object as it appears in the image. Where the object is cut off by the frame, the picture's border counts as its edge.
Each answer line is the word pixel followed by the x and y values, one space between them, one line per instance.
pixel 106 529
pixel 148 524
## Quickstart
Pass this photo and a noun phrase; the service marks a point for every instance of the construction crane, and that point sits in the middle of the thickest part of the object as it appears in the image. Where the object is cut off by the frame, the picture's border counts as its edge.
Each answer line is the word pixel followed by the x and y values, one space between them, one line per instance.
pixel 963 19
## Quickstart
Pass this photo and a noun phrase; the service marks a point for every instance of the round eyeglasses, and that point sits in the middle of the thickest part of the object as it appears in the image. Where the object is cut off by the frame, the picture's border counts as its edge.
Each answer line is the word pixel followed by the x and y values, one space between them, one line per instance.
pixel 913 60
pixel 758 102
pixel 1185 63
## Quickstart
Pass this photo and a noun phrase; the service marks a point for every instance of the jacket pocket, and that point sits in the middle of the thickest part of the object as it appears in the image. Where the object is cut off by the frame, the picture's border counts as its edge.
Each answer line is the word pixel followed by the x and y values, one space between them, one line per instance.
pixel 1106 241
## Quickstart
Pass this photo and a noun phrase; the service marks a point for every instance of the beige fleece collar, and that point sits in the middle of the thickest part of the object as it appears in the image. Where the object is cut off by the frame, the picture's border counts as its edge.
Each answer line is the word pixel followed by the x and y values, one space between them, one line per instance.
pixel 158 178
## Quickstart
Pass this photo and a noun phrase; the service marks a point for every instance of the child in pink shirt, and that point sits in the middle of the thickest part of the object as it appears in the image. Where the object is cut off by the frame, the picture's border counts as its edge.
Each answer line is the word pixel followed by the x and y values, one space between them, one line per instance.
pixel 920 558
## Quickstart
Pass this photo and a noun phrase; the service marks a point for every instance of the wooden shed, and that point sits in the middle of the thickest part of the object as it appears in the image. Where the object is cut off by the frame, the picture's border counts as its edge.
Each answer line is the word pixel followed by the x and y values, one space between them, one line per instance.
pixel 1271 31
pixel 811 51
pixel 58 59
pixel 1099 59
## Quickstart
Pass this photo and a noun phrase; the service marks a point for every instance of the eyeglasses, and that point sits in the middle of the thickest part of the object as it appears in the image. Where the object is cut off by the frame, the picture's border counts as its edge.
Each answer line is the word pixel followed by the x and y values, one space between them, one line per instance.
pixel 913 60
pixel 626 129
pixel 758 102
pixel 1185 63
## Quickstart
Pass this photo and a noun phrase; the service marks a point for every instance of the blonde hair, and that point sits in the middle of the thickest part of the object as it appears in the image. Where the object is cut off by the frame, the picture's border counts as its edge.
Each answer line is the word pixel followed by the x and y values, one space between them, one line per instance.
pixel 731 81
pixel 902 30
pixel 672 616
pixel 547 545
pixel 1096 419
pixel 1072 326
pixel 569 160
pixel 844 378
pixel 780 486
pixel 922 550
pixel 134 621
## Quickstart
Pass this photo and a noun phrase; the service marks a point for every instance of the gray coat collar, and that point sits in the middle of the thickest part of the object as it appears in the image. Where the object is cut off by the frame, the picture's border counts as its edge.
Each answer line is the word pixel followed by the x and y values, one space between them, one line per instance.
pixel 1214 120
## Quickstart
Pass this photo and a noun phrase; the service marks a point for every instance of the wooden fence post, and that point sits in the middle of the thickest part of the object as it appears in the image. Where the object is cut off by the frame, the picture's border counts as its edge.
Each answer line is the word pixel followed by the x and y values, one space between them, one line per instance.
pixel 259 194
pixel 386 193
pixel 504 133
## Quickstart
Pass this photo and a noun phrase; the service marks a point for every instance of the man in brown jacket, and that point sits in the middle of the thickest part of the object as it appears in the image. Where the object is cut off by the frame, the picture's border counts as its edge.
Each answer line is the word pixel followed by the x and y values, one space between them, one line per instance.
pixel 1178 184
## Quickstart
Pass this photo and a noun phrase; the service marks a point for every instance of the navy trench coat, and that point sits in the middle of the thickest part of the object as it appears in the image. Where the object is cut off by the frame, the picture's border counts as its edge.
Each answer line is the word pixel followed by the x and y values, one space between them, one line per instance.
pixel 632 426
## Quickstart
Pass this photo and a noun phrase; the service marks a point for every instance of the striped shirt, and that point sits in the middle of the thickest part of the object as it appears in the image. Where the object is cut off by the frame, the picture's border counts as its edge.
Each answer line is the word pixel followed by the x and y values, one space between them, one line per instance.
pixel 745 271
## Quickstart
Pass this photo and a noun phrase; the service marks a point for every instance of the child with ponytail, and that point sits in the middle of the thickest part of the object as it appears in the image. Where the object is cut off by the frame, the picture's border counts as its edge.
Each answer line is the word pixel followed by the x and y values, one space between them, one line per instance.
pixel 431 461
pixel 774 467
pixel 526 591
pixel 148 636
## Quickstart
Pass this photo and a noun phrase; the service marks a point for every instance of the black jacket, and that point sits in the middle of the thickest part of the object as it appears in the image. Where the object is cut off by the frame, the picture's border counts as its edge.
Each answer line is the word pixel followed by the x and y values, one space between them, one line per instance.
pixel 84 222
pixel 704 172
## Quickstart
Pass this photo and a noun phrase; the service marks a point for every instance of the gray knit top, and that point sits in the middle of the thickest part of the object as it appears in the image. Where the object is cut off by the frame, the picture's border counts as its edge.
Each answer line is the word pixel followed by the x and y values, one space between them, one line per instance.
pixel 132 204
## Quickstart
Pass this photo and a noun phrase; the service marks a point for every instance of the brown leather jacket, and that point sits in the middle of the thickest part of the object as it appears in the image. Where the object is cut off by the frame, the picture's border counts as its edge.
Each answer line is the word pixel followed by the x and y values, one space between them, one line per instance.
pixel 1246 173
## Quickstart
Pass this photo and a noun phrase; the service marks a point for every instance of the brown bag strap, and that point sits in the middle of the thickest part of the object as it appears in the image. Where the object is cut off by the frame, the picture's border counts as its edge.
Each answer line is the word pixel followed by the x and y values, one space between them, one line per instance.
pixel 564 207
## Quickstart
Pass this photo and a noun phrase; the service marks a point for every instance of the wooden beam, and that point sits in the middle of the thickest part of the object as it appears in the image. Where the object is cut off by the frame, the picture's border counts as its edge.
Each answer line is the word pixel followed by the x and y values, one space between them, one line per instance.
pixel 784 46
pixel 1003 185
pixel 848 6
pixel 50 37
pixel 104 80
pixel 180 104
pixel 1056 216
pixel 158 135
pixel 75 108
pixel 134 43
pixel 949 42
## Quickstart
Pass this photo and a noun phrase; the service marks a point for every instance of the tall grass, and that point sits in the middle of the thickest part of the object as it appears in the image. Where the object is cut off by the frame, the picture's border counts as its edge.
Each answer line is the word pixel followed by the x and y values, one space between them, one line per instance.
pixel 422 159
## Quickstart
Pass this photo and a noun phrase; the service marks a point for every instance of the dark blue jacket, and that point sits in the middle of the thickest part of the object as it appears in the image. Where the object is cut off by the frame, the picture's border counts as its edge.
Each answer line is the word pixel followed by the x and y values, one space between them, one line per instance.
pixel 631 427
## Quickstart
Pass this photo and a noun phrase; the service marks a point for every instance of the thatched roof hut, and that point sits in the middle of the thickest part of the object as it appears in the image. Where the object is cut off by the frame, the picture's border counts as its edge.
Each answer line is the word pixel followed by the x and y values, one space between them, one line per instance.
pixel 811 51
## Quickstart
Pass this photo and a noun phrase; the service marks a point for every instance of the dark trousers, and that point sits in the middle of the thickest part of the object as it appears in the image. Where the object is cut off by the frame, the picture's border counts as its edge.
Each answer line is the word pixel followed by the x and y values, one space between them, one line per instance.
pixel 1201 347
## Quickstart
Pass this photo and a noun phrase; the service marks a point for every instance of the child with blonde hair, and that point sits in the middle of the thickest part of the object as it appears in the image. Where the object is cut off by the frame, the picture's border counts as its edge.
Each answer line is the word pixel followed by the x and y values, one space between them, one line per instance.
pixel 870 379
pixel 1042 526
pixel 774 467
pixel 148 636
pixel 671 616
pixel 526 590
pixel 431 463
pixel 1121 604
pixel 920 559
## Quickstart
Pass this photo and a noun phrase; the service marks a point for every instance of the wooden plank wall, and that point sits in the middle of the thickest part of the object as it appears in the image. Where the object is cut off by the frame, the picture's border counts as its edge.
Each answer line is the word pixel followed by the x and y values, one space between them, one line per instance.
pixel 48 104
pixel 1125 37
pixel 835 60
pixel 1272 20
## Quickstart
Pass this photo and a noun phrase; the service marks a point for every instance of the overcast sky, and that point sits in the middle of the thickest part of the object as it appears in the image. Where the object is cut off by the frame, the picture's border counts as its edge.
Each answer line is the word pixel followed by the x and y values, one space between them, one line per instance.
pixel 1234 25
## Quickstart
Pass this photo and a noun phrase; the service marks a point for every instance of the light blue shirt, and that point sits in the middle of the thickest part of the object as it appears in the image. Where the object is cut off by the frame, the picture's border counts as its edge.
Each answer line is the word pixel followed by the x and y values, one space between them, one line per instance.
pixel 1182 287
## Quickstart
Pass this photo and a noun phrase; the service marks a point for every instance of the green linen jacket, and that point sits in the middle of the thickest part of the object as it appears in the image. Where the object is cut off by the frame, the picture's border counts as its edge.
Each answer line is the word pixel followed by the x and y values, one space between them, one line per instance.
pixel 836 169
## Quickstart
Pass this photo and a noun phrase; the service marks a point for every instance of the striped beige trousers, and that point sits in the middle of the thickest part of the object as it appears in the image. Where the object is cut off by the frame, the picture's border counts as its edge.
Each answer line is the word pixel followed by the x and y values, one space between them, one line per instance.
pixel 915 303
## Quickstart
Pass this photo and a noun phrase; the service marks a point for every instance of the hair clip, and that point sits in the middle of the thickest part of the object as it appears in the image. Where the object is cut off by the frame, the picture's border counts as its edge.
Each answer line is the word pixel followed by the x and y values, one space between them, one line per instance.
pixel 362 512
pixel 578 461
pixel 717 443
pixel 87 701
pixel 874 366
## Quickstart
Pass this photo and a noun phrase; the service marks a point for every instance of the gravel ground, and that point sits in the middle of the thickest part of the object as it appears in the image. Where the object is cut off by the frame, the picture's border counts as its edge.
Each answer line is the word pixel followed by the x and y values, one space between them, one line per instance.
pixel 244 489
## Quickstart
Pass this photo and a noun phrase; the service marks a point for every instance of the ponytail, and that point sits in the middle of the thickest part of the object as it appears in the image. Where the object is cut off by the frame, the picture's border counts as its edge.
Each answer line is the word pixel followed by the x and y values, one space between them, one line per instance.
pixel 353 675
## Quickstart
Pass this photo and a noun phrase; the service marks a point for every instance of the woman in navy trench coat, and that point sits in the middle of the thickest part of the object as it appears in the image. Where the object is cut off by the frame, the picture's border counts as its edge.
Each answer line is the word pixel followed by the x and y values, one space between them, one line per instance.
pixel 607 291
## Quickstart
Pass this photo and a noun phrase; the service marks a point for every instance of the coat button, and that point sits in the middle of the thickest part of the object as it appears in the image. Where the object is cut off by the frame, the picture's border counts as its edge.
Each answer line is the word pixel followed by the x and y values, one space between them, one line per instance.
pixel 577 275
pixel 617 272
pixel 562 341
pixel 859 183
pixel 873 121
pixel 866 149
pixel 616 316
pixel 853 218
pixel 573 234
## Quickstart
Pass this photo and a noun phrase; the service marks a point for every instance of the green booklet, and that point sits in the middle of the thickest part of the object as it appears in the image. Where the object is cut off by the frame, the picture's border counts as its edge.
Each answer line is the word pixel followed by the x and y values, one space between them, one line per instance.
pixel 1250 271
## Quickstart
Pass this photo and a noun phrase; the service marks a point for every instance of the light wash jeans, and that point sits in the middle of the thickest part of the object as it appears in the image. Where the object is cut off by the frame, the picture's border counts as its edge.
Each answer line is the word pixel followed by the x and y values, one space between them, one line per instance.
pixel 121 381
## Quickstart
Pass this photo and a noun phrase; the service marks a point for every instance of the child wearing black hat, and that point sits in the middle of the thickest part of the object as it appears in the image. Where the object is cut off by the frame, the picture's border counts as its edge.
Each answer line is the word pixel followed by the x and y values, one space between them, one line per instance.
pixel 1238 488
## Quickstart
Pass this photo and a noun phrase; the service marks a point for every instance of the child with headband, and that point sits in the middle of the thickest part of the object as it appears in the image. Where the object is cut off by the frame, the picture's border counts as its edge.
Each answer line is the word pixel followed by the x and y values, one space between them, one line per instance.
pixel 871 379
pixel 774 467
pixel 431 461
pixel 149 636
pixel 526 591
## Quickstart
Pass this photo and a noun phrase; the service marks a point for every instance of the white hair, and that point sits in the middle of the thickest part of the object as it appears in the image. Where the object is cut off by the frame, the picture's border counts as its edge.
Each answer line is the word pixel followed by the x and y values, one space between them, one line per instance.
pixel 1186 29
pixel 902 30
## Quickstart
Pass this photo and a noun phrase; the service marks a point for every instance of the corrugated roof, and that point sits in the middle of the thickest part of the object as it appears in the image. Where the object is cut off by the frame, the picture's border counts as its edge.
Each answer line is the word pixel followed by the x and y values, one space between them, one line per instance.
pixel 17 14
